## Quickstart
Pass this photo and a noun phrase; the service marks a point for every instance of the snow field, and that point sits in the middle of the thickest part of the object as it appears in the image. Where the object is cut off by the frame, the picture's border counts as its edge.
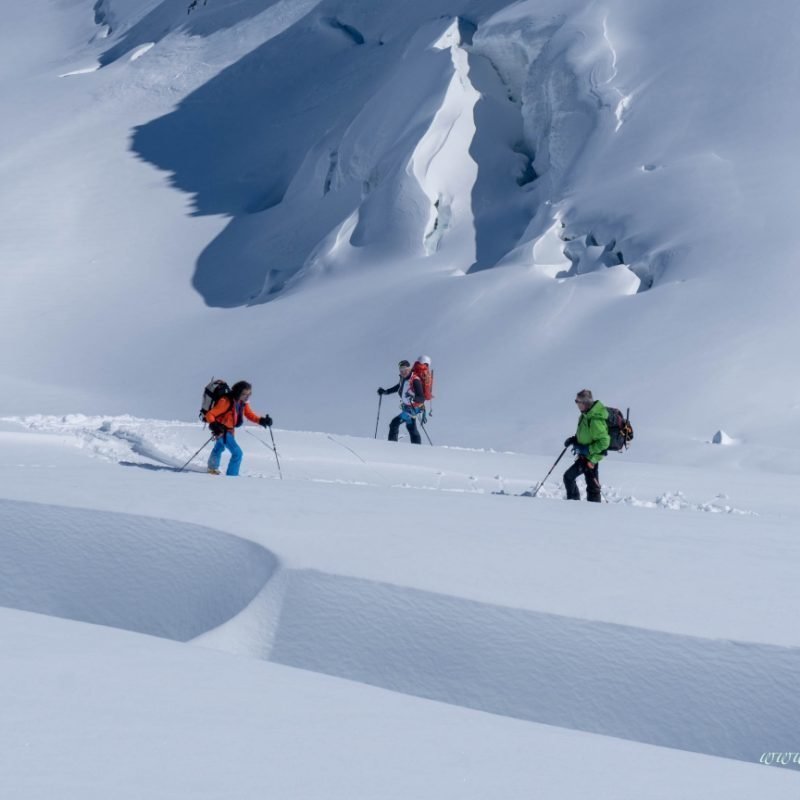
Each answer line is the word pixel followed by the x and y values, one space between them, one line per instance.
pixel 366 571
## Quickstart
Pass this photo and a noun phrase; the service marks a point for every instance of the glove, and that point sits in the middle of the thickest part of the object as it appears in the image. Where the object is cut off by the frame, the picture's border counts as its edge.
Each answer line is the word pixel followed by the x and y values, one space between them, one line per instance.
pixel 265 421
pixel 217 429
pixel 381 391
pixel 571 442
pixel 424 416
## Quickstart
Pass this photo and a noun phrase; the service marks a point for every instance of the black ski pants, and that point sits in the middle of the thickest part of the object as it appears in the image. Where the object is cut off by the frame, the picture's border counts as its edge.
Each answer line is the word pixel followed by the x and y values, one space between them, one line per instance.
pixel 413 432
pixel 592 476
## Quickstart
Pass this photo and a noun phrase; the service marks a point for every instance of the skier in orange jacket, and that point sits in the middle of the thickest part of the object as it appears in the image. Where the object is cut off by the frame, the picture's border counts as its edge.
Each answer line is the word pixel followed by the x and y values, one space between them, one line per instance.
pixel 227 414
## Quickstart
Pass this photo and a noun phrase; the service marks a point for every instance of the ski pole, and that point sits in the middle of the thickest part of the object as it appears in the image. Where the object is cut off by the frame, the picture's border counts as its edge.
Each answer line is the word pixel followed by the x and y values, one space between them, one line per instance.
pixel 628 430
pixel 349 449
pixel 275 450
pixel 257 438
pixel 378 420
pixel 548 474
pixel 425 431
pixel 363 461
pixel 195 456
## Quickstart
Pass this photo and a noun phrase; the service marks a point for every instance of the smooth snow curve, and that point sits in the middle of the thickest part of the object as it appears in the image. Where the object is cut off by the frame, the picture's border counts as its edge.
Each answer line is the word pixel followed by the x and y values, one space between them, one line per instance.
pixel 154 576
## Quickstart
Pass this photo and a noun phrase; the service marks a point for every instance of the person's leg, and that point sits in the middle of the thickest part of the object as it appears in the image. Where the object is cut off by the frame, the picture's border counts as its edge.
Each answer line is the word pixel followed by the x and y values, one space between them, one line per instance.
pixel 413 432
pixel 593 491
pixel 394 428
pixel 236 456
pixel 570 476
pixel 216 453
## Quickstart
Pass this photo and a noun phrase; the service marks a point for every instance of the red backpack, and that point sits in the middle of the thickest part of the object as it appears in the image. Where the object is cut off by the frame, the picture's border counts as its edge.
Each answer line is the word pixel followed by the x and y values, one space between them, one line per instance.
pixel 424 372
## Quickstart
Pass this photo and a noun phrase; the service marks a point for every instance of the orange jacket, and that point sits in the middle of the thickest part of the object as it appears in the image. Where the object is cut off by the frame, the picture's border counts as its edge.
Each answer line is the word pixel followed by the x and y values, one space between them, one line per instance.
pixel 224 412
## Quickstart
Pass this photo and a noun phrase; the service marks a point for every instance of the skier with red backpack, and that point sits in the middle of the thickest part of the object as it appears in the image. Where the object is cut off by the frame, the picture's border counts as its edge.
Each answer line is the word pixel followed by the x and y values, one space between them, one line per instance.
pixel 227 411
pixel 414 387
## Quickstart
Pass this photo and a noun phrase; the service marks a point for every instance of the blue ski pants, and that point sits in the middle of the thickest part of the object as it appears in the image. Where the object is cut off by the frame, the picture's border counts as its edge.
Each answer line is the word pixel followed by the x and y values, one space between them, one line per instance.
pixel 227 440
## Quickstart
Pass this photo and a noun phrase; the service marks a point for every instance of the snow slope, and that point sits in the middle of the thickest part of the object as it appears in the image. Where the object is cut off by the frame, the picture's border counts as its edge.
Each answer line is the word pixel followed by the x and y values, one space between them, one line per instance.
pixel 407 570
pixel 167 173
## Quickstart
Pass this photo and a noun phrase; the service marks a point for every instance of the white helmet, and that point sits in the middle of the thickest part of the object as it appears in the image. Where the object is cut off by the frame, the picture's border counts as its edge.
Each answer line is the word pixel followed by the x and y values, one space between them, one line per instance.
pixel 424 360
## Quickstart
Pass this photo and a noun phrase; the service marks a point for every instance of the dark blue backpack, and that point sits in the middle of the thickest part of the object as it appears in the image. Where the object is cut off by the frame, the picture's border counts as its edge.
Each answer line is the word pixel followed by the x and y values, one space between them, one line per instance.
pixel 620 430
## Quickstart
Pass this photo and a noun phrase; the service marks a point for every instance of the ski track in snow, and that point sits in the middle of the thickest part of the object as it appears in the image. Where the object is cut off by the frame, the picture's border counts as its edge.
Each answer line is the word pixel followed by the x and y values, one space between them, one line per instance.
pixel 123 439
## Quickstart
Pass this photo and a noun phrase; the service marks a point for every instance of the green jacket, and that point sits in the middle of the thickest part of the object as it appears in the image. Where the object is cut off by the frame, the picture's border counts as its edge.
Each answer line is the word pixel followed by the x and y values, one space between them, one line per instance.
pixel 592 434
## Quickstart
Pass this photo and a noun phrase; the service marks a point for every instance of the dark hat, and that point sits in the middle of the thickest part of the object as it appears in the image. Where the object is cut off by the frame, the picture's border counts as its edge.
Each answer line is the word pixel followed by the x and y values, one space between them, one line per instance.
pixel 404 363
pixel 585 396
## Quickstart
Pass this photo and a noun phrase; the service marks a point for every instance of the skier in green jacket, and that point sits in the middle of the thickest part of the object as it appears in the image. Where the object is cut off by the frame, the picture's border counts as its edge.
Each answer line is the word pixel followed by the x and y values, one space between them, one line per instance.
pixel 590 444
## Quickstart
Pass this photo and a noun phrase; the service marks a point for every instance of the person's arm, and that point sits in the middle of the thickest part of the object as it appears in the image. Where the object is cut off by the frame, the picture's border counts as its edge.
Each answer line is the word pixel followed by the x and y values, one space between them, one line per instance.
pixel 393 390
pixel 250 414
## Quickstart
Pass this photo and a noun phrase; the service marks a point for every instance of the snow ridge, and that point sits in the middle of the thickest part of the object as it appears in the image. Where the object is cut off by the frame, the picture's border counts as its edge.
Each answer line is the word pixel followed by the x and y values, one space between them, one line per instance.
pixel 184 582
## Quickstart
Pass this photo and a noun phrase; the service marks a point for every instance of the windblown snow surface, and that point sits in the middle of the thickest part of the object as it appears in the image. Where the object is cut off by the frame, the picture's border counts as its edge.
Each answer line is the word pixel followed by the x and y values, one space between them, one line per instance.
pixel 543 196
pixel 386 621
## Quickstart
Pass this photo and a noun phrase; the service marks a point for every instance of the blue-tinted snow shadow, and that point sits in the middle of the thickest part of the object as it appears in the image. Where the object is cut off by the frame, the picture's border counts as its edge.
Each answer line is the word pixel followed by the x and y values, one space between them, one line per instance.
pixel 237 143
pixel 502 205
pixel 271 142
pixel 161 467
pixel 149 575
pixel 204 19
pixel 717 697
pixel 508 192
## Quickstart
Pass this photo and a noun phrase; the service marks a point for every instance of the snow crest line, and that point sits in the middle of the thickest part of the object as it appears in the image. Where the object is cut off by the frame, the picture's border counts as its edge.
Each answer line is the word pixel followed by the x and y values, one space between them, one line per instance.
pixel 720 698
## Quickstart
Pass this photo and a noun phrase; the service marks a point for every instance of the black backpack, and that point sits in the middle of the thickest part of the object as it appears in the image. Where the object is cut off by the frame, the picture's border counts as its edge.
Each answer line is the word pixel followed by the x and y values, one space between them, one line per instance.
pixel 215 390
pixel 620 430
